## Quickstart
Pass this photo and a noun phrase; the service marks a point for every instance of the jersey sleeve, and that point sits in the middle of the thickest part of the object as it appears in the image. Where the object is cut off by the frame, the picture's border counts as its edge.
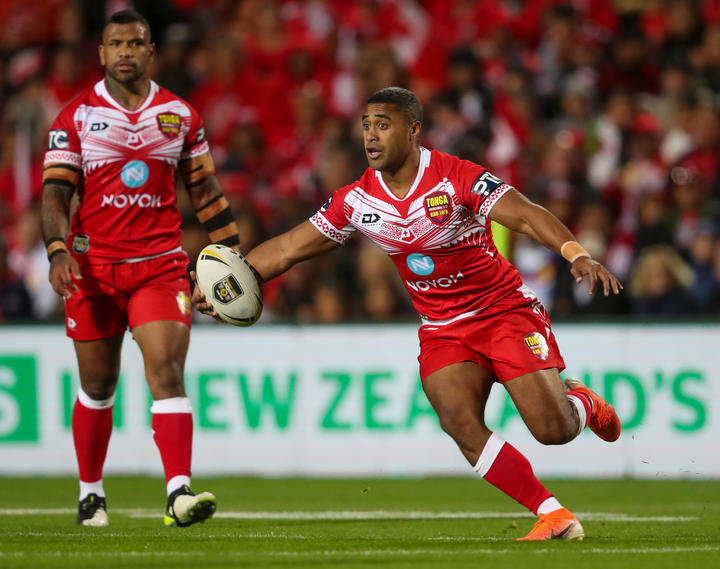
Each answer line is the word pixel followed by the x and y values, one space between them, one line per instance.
pixel 196 163
pixel 479 188
pixel 331 220
pixel 63 155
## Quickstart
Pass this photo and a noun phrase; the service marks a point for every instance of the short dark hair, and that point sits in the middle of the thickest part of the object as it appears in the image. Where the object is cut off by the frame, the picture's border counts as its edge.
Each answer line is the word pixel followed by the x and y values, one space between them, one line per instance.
pixel 128 17
pixel 403 99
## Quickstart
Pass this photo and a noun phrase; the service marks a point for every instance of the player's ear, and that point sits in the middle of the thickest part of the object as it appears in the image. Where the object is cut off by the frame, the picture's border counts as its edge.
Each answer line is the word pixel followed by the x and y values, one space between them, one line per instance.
pixel 101 54
pixel 415 129
pixel 152 50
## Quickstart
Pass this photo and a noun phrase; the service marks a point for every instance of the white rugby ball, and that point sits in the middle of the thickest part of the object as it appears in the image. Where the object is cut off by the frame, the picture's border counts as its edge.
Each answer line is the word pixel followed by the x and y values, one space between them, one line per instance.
pixel 229 284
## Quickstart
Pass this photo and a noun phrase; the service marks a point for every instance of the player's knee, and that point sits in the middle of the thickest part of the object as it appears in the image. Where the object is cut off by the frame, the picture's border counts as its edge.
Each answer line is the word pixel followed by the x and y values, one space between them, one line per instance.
pixel 166 380
pixel 99 387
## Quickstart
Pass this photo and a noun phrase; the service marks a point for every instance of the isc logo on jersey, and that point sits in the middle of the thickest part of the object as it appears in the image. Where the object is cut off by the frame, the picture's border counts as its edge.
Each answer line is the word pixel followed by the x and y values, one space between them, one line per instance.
pixel 423 265
pixel 135 173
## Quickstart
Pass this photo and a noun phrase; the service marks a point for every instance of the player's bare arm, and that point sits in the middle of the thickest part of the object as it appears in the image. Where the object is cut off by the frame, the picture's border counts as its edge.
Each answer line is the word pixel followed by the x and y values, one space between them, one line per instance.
pixel 516 212
pixel 207 199
pixel 55 211
pixel 275 256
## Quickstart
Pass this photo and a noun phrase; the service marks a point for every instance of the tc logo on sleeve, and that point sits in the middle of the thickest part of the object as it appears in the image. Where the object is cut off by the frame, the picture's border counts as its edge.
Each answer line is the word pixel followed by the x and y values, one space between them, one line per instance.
pixel 58 139
pixel 486 184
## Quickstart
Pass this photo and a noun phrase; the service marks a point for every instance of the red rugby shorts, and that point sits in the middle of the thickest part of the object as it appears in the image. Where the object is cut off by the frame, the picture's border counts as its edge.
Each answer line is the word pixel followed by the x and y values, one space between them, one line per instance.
pixel 115 296
pixel 509 344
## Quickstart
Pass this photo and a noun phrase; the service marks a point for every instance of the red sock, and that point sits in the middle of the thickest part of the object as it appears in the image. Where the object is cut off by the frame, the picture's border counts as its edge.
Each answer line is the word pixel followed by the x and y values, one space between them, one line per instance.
pixel 505 468
pixel 91 433
pixel 173 436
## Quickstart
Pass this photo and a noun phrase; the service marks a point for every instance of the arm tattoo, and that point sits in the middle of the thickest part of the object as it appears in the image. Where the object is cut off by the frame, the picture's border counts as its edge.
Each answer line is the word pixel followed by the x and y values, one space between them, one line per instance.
pixel 55 210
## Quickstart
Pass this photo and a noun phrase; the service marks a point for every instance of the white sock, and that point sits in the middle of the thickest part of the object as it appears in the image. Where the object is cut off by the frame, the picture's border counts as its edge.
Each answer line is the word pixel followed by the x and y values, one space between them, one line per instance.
pixel 489 454
pixel 86 401
pixel 176 482
pixel 87 488
pixel 549 505
pixel 582 414
pixel 171 405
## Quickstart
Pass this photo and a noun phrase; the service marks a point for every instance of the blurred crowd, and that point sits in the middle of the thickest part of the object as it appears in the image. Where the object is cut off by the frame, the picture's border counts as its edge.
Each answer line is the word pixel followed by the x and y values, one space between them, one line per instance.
pixel 607 113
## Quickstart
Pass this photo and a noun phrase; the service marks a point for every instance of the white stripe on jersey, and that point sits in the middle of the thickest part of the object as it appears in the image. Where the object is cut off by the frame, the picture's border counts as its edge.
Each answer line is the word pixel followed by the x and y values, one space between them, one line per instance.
pixel 100 149
pixel 418 228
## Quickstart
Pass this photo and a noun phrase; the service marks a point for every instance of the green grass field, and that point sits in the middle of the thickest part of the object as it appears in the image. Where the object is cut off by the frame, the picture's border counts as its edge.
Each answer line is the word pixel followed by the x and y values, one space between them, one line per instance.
pixel 386 523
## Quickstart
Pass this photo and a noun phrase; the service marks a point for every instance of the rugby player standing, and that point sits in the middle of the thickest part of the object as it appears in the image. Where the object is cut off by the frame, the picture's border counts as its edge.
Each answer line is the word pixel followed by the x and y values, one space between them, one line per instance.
pixel 480 324
pixel 119 263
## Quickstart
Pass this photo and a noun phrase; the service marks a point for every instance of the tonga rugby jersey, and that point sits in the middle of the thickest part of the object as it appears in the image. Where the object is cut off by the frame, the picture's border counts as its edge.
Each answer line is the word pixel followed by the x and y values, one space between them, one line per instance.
pixel 438 235
pixel 123 164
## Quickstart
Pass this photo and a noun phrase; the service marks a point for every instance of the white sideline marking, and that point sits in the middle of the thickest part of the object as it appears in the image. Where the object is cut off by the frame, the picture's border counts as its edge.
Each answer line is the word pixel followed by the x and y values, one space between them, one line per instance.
pixel 522 550
pixel 359 515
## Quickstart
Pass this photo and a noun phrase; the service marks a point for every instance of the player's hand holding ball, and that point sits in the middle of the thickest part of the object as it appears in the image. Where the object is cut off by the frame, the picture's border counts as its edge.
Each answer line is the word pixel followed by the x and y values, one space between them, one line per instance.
pixel 227 286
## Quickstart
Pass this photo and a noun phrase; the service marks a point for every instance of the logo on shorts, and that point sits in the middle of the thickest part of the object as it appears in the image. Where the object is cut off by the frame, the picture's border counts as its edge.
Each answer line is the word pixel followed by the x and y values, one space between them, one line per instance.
pixel 420 264
pixel 81 244
pixel 71 323
pixel 438 206
pixel 537 344
pixel 169 124
pixel 227 290
pixel 183 301
pixel 135 173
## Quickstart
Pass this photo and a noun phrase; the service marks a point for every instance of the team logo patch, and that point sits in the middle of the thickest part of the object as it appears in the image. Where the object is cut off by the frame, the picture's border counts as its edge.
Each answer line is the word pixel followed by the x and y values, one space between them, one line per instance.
pixel 169 124
pixel 183 301
pixel 537 344
pixel 226 290
pixel 81 244
pixel 438 206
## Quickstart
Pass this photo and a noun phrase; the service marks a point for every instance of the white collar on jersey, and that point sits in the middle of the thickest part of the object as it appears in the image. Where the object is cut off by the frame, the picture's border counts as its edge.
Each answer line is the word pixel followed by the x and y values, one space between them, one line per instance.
pixel 101 90
pixel 424 163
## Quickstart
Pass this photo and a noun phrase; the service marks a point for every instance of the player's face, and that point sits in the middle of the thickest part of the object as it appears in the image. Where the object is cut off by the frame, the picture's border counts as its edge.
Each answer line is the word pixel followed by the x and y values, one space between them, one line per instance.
pixel 126 51
pixel 388 136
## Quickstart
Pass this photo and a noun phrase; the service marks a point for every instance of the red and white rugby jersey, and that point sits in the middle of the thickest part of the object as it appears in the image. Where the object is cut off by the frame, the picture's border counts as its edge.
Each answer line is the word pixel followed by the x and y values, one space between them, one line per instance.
pixel 123 164
pixel 438 235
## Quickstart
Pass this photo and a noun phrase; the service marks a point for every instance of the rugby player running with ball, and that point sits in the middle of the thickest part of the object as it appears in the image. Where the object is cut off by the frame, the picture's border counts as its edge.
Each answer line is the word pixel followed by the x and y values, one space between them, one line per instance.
pixel 480 324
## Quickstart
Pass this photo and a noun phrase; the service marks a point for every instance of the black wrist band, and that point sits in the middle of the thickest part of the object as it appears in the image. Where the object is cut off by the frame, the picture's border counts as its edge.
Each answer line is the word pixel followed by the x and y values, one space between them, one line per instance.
pixel 51 255
pixel 53 240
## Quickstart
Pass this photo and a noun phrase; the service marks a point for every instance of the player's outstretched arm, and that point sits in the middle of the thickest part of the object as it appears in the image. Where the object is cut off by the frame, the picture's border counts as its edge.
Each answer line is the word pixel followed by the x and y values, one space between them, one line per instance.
pixel 54 215
pixel 517 213
pixel 275 256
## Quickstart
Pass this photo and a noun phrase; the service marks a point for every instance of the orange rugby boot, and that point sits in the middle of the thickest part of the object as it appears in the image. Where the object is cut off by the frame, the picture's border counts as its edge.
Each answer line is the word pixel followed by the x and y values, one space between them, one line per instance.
pixel 604 421
pixel 560 524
